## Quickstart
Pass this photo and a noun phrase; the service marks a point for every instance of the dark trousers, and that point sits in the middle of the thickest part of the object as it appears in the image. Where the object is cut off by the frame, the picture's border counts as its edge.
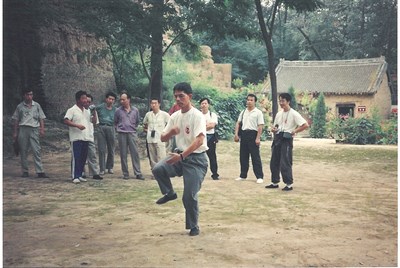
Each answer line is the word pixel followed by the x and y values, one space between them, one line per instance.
pixel 282 160
pixel 248 147
pixel 212 156
pixel 79 156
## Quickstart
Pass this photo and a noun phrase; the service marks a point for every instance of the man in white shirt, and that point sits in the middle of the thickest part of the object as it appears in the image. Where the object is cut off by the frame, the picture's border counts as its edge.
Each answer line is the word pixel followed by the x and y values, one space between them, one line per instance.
pixel 78 120
pixel 287 123
pixel 252 120
pixel 211 123
pixel 189 160
pixel 154 123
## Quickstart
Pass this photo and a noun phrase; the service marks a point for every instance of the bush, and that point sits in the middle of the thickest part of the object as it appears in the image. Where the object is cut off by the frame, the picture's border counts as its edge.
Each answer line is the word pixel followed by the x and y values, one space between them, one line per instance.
pixel 363 130
pixel 318 126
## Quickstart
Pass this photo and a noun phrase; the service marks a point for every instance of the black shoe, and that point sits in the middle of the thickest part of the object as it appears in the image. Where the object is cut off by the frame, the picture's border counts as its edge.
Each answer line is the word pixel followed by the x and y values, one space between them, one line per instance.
pixel 166 198
pixel 140 177
pixel 287 188
pixel 42 175
pixel 25 175
pixel 272 186
pixel 97 177
pixel 194 231
pixel 215 177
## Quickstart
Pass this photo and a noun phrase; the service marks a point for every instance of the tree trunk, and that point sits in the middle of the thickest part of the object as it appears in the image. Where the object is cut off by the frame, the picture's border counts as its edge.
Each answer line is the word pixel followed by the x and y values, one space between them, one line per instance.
pixel 267 37
pixel 156 58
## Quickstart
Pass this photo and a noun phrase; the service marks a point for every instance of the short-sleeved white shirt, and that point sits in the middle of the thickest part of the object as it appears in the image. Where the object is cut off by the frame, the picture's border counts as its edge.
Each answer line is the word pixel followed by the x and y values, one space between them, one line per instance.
pixel 288 121
pixel 211 118
pixel 251 119
pixel 81 117
pixel 155 122
pixel 191 124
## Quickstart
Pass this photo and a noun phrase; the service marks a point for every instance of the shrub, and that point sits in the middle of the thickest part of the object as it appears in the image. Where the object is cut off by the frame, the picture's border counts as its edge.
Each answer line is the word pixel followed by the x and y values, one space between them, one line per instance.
pixel 318 126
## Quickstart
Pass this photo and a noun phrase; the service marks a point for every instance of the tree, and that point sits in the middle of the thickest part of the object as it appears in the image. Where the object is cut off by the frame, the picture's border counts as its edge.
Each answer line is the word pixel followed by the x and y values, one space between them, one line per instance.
pixel 267 31
pixel 318 126
pixel 293 102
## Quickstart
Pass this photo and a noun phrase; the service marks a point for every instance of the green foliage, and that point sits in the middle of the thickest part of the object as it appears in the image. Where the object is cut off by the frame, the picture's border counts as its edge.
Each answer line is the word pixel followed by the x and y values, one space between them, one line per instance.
pixel 293 102
pixel 228 109
pixel 318 126
pixel 363 130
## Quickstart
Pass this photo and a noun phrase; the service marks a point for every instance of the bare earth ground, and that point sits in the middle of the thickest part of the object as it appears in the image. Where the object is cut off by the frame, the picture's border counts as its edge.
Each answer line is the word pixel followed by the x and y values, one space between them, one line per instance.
pixel 339 214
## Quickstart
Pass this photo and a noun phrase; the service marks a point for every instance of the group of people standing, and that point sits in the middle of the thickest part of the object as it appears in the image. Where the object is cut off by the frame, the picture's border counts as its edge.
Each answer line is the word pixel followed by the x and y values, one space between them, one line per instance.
pixel 192 133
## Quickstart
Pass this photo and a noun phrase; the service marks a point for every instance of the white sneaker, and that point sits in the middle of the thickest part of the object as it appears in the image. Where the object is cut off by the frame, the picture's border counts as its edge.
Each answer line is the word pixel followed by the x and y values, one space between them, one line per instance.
pixel 260 180
pixel 101 173
pixel 240 179
pixel 76 181
pixel 110 171
pixel 82 179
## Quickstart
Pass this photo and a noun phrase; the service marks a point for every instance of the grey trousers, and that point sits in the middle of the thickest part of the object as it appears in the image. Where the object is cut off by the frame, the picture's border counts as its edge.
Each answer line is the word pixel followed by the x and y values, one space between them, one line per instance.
pixel 193 169
pixel 28 137
pixel 92 159
pixel 128 141
pixel 106 146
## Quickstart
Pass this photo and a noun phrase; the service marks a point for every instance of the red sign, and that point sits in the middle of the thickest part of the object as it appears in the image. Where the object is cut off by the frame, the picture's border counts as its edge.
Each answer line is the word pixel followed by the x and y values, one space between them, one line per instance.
pixel 362 109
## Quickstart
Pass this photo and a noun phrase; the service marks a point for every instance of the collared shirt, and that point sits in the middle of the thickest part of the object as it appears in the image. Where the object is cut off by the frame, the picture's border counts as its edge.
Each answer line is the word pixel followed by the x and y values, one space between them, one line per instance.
pixel 191 124
pixel 211 118
pixel 106 116
pixel 288 121
pixel 81 117
pixel 251 119
pixel 91 126
pixel 29 117
pixel 156 122
pixel 126 122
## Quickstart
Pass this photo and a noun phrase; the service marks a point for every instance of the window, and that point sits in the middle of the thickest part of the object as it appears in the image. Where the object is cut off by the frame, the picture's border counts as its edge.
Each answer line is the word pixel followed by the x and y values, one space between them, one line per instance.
pixel 345 109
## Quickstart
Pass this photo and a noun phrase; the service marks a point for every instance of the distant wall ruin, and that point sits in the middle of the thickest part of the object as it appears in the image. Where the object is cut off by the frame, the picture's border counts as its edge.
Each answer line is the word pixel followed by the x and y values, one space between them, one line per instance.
pixel 73 60
pixel 218 74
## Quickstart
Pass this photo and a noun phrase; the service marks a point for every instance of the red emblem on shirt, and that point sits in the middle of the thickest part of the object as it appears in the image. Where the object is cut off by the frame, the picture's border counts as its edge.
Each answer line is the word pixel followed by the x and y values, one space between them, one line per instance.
pixel 187 130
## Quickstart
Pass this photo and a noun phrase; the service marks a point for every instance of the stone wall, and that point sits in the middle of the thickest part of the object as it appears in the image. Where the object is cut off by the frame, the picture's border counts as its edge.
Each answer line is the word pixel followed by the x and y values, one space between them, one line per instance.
pixel 73 60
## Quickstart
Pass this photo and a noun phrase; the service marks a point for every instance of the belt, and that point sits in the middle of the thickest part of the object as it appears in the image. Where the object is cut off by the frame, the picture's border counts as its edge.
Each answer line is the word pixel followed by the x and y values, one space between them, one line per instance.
pixel 105 125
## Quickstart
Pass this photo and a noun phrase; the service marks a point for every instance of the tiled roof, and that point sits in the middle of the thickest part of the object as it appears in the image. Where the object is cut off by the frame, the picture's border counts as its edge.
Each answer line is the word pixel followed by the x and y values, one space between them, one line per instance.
pixel 362 76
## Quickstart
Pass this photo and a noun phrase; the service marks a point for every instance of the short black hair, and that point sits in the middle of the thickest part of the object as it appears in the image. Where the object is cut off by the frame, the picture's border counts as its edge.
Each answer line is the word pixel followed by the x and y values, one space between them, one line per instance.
pixel 286 96
pixel 183 86
pixel 252 95
pixel 26 90
pixel 126 93
pixel 203 99
pixel 90 96
pixel 155 98
pixel 79 94
pixel 112 94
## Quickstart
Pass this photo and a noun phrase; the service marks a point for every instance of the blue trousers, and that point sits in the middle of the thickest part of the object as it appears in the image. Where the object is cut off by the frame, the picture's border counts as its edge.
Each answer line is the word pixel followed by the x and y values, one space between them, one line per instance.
pixel 79 156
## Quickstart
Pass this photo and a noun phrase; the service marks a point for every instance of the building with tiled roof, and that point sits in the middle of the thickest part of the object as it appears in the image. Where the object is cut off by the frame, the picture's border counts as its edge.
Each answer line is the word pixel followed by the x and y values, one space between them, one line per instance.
pixel 353 87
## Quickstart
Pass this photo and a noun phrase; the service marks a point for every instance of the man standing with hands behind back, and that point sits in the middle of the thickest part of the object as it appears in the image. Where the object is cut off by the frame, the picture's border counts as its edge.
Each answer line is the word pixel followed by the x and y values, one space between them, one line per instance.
pixel 287 123
pixel 188 125
pixel 252 125
pixel 28 126
pixel 106 133
pixel 211 123
pixel 126 121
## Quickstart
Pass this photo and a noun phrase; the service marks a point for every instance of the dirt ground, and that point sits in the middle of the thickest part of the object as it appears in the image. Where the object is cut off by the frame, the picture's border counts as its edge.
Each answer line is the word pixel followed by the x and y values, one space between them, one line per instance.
pixel 339 214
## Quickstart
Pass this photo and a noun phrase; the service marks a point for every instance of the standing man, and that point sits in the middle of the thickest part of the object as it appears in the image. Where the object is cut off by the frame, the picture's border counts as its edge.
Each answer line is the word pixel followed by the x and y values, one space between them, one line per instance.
pixel 106 133
pixel 28 126
pixel 287 123
pixel 154 123
pixel 252 121
pixel 189 160
pixel 77 119
pixel 211 123
pixel 126 121
pixel 91 158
